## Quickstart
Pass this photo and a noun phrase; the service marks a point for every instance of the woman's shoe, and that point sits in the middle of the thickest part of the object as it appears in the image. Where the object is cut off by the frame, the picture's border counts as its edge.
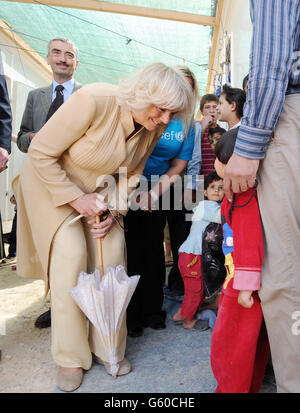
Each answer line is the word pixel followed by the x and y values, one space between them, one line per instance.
pixel 124 365
pixel 159 325
pixel 135 332
pixel 69 381
pixel 156 325
pixel 156 321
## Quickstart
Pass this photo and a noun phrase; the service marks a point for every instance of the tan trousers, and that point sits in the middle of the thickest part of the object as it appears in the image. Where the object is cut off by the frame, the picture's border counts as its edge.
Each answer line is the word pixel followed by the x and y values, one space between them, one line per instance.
pixel 279 200
pixel 74 250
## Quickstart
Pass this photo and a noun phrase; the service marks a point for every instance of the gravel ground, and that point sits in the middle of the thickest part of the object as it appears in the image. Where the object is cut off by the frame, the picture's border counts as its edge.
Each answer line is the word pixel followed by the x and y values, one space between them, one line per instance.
pixel 171 360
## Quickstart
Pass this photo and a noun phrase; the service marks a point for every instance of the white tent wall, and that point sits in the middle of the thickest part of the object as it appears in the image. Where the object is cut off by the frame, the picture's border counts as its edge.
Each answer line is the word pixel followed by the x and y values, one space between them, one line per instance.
pixel 235 25
pixel 22 75
pixel 240 27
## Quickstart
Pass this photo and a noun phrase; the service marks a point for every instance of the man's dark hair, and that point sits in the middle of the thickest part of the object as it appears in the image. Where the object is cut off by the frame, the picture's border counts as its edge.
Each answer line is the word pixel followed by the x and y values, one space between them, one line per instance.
pixel 245 81
pixel 217 129
pixel 208 98
pixel 235 95
pixel 225 145
pixel 212 177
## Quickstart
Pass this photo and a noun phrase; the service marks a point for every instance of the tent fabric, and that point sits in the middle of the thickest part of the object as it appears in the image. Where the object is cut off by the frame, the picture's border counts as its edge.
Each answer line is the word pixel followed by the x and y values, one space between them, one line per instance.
pixel 113 45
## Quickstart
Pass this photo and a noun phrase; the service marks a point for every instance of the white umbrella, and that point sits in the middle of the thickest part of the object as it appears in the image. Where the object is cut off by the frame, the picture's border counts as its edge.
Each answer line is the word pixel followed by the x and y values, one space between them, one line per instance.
pixel 104 298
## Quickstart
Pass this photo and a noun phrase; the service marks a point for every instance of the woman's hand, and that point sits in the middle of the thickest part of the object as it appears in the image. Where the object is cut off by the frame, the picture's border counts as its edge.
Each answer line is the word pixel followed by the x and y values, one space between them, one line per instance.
pixel 89 204
pixel 245 298
pixel 103 228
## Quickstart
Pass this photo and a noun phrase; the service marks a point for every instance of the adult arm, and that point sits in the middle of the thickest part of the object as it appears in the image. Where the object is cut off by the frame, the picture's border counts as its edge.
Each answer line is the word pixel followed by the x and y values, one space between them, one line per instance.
pixel 164 183
pixel 271 61
pixel 5 124
pixel 26 132
pixel 194 165
pixel 177 166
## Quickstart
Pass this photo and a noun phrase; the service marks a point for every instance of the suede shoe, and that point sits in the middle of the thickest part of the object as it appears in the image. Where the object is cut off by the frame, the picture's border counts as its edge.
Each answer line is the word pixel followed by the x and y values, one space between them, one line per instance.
pixel 69 382
pixel 124 365
pixel 44 320
pixel 135 332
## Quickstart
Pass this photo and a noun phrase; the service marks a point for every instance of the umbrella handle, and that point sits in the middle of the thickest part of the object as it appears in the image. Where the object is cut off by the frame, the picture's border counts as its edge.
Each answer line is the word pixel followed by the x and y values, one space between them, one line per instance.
pixel 100 255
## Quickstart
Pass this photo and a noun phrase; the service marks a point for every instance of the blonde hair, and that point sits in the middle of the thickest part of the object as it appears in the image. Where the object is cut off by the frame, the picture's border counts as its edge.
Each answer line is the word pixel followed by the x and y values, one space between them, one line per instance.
pixel 188 73
pixel 159 85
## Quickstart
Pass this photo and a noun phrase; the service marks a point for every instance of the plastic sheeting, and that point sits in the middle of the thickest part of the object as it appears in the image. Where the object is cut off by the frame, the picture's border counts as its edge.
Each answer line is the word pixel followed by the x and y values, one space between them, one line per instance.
pixel 113 45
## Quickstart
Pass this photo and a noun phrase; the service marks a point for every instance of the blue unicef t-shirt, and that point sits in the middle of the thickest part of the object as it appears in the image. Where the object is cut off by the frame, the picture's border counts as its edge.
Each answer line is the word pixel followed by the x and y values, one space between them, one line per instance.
pixel 172 144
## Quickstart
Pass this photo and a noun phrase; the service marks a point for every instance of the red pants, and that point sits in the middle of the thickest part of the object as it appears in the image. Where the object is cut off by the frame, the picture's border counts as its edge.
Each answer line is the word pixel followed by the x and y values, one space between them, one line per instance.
pixel 239 346
pixel 190 269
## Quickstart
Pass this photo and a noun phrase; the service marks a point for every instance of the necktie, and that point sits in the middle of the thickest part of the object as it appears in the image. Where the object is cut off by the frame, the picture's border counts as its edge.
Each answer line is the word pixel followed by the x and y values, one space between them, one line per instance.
pixel 57 102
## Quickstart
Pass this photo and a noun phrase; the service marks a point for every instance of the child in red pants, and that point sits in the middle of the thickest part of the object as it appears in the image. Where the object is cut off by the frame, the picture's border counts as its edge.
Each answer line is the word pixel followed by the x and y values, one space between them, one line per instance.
pixel 189 262
pixel 239 347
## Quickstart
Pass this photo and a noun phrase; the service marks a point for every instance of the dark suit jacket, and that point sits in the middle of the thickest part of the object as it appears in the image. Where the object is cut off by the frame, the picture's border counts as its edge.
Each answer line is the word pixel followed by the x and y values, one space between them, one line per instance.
pixel 35 113
pixel 5 116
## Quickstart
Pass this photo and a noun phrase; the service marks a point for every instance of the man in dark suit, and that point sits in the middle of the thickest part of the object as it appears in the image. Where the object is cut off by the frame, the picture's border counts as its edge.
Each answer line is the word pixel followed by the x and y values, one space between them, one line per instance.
pixel 43 102
pixel 63 59
pixel 5 135
pixel 5 121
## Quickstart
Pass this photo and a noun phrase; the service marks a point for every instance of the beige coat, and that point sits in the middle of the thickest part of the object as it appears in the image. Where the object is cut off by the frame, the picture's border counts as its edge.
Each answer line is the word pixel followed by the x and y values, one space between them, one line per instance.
pixel 85 138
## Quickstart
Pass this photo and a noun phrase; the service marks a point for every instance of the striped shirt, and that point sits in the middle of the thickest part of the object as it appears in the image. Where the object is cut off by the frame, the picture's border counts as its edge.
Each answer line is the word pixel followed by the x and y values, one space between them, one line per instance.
pixel 274 64
pixel 208 155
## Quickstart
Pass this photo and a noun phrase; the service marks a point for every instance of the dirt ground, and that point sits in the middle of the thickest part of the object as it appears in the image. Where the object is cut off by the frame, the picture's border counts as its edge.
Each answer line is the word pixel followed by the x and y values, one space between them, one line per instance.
pixel 26 365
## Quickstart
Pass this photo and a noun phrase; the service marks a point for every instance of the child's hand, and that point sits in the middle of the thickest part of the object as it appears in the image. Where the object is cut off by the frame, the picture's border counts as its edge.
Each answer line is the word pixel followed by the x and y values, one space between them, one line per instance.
pixel 245 299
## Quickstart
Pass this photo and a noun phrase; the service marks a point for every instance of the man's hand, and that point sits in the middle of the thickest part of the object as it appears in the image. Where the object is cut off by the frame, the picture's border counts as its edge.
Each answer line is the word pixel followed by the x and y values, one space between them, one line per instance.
pixel 240 174
pixel 245 299
pixel 3 159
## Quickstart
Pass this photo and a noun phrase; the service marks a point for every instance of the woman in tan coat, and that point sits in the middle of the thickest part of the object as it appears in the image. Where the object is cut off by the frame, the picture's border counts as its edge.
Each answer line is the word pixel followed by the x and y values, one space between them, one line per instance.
pixel 100 129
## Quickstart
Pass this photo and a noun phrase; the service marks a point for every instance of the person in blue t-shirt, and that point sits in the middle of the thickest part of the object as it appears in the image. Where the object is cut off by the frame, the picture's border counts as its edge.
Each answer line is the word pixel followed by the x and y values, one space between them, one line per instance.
pixel 145 226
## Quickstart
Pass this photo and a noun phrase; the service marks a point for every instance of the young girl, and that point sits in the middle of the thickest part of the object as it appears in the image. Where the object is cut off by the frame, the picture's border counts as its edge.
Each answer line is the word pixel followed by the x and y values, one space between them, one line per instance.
pixel 189 262
pixel 239 348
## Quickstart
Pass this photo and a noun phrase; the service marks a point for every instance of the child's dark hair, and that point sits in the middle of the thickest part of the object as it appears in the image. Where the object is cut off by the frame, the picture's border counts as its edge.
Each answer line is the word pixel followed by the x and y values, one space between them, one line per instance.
pixel 225 145
pixel 212 177
pixel 217 129
pixel 236 95
pixel 208 98
pixel 245 81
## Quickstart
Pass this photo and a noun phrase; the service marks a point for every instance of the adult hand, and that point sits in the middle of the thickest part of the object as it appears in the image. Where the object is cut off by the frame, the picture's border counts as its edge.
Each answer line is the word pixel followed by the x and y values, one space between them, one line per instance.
pixel 103 228
pixel 89 204
pixel 245 299
pixel 240 174
pixel 3 159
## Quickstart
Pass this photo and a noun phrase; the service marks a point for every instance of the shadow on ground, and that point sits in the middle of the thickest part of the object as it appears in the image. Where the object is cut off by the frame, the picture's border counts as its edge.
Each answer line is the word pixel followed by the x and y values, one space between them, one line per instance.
pixel 166 361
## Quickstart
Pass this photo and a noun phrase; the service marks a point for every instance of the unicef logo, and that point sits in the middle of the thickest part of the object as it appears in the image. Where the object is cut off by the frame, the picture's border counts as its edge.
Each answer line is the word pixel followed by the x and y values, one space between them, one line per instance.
pixel 179 136
pixel 171 136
